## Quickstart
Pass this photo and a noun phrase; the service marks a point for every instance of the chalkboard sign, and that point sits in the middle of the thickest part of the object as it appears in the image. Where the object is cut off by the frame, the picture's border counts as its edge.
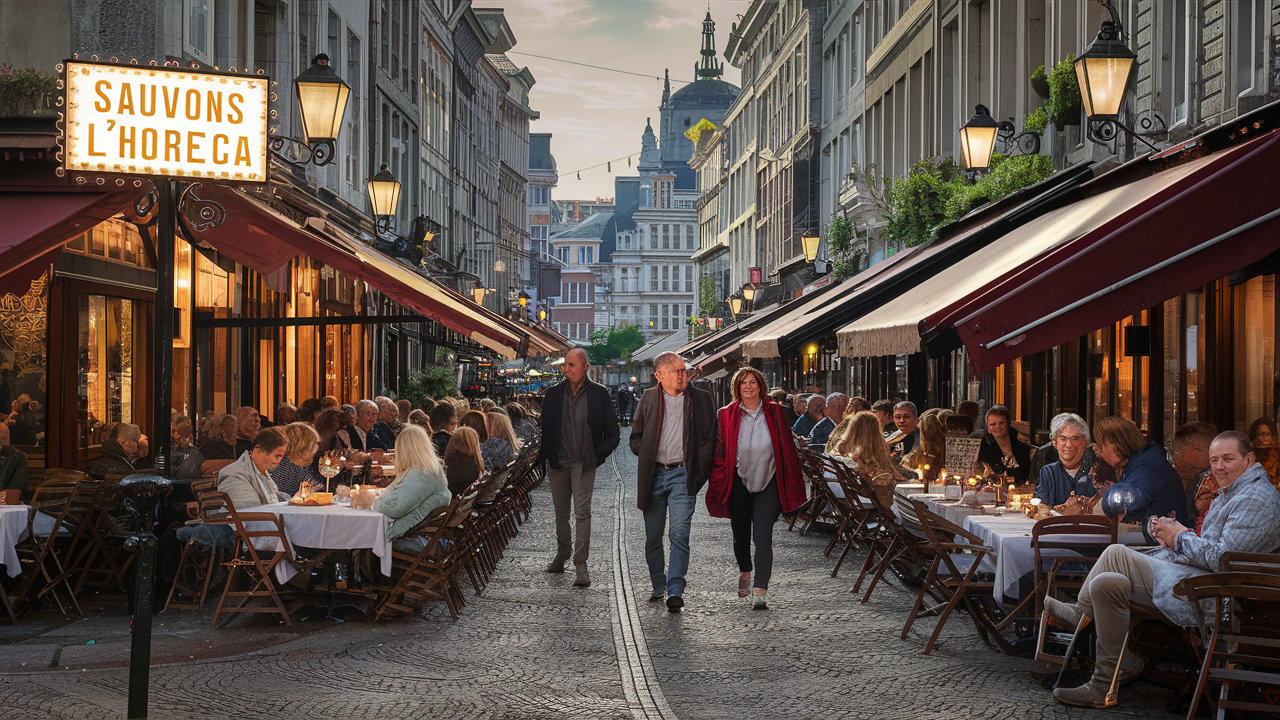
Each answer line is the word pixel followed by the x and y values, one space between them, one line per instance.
pixel 962 453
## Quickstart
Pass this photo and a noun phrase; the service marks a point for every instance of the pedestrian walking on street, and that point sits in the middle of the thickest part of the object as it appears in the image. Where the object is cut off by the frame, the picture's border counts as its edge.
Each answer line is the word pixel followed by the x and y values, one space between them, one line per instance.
pixel 624 405
pixel 755 477
pixel 674 434
pixel 579 431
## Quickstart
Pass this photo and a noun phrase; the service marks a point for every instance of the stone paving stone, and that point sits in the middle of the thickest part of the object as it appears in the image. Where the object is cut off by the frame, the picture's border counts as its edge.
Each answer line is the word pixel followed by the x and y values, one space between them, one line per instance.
pixel 535 647
pixel 817 652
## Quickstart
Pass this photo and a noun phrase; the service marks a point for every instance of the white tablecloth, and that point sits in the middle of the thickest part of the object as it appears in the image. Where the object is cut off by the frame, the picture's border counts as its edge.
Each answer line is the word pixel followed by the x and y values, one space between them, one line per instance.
pixel 332 527
pixel 1010 536
pixel 13 526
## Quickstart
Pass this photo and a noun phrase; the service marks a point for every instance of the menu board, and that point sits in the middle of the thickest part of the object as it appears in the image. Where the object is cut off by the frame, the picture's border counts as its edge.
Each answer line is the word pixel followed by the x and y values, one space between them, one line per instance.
pixel 962 453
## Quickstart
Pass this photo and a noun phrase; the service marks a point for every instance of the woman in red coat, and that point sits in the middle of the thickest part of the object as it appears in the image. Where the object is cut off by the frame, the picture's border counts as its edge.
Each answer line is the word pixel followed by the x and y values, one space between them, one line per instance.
pixel 755 477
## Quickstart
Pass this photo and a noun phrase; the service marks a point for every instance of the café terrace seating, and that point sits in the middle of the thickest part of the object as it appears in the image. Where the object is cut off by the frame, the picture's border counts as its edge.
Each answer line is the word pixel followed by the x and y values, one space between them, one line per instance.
pixel 1236 647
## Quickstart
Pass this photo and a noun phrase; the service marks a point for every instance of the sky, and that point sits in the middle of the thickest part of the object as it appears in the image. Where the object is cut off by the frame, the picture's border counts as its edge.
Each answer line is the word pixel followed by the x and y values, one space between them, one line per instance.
pixel 596 115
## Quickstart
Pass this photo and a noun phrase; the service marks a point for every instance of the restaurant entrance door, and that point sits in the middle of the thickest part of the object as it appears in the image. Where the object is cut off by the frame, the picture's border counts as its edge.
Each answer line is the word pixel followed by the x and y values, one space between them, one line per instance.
pixel 101 350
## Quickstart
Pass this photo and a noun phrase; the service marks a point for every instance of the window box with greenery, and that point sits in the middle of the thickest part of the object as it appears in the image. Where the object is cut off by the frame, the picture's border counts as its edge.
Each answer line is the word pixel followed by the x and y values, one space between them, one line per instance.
pixel 25 92
pixel 935 193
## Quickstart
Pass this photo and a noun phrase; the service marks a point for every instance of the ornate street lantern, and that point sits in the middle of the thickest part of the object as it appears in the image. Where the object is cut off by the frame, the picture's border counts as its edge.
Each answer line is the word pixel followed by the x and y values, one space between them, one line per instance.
pixel 978 139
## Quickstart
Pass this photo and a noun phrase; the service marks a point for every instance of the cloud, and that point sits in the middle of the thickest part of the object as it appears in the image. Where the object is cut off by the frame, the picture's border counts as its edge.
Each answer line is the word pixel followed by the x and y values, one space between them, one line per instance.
pixel 670 23
pixel 594 114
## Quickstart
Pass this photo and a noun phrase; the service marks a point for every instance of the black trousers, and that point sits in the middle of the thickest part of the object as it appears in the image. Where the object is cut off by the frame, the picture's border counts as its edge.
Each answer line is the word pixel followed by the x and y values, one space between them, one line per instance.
pixel 752 515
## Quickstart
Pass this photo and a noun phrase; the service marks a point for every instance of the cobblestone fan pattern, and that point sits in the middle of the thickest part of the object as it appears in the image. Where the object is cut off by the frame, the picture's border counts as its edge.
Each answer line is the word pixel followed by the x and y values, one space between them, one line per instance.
pixel 535 647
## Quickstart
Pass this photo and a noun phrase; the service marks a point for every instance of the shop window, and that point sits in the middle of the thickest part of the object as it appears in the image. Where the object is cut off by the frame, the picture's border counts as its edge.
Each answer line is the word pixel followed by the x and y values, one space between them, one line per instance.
pixel 106 368
pixel 1171 359
pixel 1255 340
pixel 1099 346
pixel 112 239
pixel 23 365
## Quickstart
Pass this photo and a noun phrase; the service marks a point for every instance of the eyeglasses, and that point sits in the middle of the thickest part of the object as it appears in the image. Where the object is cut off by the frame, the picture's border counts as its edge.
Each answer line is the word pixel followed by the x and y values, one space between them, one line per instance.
pixel 1073 439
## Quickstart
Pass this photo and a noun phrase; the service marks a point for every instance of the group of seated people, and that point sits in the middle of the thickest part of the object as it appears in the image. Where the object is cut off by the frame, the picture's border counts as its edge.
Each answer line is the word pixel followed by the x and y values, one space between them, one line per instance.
pixel 1208 494
pixel 429 468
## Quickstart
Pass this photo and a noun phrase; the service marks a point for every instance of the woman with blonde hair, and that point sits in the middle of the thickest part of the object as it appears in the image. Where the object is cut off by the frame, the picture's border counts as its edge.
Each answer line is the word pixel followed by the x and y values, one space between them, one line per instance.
pixel 864 447
pixel 931 454
pixel 463 460
pixel 295 467
pixel 420 487
pixel 502 445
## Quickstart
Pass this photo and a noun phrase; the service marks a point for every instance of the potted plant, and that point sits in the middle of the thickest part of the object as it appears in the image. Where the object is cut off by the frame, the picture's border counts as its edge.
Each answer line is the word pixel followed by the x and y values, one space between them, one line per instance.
pixel 25 92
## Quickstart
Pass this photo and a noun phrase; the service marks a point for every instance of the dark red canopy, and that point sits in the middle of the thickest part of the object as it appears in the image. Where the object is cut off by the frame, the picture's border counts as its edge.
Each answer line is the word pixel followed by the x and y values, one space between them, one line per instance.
pixel 1202 226
pixel 37 224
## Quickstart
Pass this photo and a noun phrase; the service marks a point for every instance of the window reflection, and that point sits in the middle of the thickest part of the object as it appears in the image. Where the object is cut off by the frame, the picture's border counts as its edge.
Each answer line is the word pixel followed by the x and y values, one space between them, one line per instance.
pixel 105 370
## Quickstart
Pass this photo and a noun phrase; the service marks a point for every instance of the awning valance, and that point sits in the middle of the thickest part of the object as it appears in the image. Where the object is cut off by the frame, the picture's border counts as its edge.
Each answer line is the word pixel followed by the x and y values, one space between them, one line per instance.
pixel 37 224
pixel 279 238
pixel 1194 224
pixel 795 320
pixel 894 327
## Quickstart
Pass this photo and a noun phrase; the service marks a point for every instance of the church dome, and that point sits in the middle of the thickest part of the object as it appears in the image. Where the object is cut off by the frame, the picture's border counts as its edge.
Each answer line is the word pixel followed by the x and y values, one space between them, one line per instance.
pixel 705 92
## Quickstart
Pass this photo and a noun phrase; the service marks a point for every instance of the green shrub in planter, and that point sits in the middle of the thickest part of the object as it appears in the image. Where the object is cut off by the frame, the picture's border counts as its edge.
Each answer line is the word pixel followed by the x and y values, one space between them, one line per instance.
pixel 25 92
pixel 1064 93
pixel 1036 121
pixel 1040 82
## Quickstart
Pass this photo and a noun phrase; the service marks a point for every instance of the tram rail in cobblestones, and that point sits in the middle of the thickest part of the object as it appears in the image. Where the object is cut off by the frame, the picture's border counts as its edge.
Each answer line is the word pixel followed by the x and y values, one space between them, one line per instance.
pixel 639 680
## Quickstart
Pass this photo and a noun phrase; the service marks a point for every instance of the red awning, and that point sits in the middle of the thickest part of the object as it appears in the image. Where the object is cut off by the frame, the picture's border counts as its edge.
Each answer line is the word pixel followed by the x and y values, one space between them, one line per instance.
pixel 1216 215
pixel 276 239
pixel 248 232
pixel 37 224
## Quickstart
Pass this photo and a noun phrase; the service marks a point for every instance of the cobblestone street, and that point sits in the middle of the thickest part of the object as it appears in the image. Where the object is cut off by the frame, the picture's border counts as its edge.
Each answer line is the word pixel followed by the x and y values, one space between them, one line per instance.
pixel 534 646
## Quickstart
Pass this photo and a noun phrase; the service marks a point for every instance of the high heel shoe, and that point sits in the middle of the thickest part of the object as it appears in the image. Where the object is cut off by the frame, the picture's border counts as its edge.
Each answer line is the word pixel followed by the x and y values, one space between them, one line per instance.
pixel 744 584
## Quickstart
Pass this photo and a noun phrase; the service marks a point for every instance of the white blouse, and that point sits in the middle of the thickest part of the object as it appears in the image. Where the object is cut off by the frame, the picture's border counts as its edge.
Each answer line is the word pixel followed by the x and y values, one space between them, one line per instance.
pixel 755 449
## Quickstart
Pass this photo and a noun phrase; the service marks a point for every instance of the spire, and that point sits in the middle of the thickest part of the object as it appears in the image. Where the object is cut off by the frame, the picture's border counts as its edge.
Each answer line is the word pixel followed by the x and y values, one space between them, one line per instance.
pixel 709 68
pixel 650 157
pixel 666 87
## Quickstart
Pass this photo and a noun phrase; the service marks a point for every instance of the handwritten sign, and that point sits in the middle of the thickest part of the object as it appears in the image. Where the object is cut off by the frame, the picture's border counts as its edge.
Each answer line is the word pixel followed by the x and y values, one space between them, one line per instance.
pixel 962 453
pixel 170 122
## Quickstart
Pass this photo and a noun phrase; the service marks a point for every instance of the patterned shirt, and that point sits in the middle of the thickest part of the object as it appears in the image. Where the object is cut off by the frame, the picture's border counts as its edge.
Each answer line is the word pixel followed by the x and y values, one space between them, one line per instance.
pixel 289 477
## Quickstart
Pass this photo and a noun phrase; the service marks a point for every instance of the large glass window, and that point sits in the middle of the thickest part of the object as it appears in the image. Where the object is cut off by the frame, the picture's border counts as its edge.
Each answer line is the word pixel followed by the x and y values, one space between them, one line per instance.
pixel 1255 351
pixel 23 364
pixel 106 368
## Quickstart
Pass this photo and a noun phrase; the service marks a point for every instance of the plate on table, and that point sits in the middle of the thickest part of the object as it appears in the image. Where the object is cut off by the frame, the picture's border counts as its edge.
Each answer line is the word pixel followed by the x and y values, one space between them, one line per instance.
pixel 313 500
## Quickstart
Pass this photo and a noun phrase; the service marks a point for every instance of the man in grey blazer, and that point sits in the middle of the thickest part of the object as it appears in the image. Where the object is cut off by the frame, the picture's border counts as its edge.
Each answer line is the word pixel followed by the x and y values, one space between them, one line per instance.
pixel 674 433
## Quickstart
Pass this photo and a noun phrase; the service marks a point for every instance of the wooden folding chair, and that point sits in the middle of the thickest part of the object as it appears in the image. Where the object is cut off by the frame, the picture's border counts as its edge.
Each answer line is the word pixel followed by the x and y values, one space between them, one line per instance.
pixel 431 574
pixel 198 559
pixel 257 564
pixel 47 574
pixel 956 557
pixel 1241 638
pixel 1050 534
pixel 889 544
pixel 100 559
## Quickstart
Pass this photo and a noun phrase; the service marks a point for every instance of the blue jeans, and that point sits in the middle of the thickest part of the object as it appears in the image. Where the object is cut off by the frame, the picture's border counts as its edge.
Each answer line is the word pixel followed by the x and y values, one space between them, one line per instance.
pixel 669 491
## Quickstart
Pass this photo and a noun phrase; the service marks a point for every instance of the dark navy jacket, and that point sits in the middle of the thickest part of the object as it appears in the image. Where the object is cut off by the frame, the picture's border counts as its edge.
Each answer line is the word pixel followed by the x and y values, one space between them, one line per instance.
pixel 1148 486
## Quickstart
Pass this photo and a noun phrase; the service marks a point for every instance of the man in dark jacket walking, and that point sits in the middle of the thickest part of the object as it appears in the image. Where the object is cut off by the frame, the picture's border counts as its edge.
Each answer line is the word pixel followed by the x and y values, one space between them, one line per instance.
pixel 579 431
pixel 674 434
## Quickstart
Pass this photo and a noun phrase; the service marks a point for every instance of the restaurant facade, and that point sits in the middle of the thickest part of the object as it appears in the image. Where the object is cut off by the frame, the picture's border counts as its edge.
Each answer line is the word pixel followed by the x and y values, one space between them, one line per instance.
pixel 279 295
pixel 1145 290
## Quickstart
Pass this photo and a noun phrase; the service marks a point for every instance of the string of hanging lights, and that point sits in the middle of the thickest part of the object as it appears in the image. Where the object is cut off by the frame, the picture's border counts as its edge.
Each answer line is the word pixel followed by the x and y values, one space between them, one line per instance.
pixel 607 164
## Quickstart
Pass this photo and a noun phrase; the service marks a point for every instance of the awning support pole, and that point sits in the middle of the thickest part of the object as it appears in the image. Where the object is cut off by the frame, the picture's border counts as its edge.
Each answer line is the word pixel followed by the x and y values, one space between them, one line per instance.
pixel 1136 277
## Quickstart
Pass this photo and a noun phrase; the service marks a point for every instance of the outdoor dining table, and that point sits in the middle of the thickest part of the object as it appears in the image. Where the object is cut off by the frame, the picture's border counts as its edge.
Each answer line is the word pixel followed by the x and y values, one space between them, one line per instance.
pixel 1009 534
pixel 325 527
pixel 13 527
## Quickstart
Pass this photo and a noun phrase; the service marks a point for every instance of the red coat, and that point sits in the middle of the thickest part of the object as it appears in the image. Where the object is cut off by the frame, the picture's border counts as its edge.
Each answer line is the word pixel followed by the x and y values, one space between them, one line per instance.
pixel 790 476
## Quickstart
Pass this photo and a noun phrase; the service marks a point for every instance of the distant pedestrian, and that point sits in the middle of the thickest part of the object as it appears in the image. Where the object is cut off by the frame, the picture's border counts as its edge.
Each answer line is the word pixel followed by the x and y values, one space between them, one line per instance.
pixel 624 406
pixel 755 477
pixel 675 437
pixel 579 431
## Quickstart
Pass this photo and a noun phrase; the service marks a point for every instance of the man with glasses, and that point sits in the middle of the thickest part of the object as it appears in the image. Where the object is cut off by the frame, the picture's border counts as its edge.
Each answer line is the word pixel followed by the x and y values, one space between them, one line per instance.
pixel 1189 454
pixel 674 433
pixel 1070 473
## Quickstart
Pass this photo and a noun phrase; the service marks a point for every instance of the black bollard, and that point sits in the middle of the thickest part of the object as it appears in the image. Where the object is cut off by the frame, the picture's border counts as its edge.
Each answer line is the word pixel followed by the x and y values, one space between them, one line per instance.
pixel 141 493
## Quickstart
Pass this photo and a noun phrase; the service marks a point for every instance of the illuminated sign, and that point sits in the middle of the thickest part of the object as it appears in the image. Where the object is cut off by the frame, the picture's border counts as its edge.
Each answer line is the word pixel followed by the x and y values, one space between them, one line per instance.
pixel 171 122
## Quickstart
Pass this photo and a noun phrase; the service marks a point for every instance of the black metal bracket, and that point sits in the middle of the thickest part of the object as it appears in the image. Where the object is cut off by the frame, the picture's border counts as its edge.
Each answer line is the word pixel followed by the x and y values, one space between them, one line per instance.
pixel 1016 143
pixel 1148 123
pixel 318 153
